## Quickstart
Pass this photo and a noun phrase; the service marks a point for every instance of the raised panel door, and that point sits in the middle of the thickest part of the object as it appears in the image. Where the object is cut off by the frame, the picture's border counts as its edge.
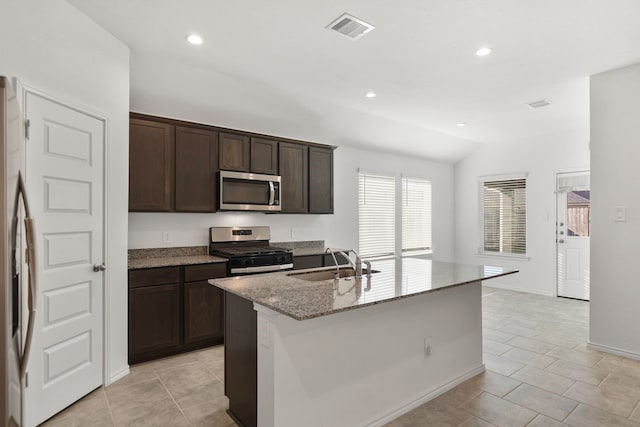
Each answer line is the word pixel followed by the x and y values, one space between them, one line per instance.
pixel 320 180
pixel 154 319
pixel 202 312
pixel 151 166
pixel 264 156
pixel 196 166
pixel 234 152
pixel 293 164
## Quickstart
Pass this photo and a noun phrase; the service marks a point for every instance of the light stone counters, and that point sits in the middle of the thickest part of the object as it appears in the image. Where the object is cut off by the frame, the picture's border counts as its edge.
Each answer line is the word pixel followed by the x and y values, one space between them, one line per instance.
pixel 170 257
pixel 286 293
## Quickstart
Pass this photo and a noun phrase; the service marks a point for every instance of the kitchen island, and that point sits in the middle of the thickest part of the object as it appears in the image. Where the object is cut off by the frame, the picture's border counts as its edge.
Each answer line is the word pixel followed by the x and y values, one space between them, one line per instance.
pixel 350 352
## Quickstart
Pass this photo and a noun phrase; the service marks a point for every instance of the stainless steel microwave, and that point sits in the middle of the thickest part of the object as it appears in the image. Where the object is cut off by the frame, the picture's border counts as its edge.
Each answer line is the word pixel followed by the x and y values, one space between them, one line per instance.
pixel 241 191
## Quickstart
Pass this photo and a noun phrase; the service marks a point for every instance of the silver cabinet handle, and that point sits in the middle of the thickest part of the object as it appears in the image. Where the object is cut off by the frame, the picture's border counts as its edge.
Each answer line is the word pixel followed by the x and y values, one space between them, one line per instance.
pixel 97 268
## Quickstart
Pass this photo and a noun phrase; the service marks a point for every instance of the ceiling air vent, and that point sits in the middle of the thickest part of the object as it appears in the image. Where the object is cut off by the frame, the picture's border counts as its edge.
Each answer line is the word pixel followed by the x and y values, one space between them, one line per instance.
pixel 350 26
pixel 539 104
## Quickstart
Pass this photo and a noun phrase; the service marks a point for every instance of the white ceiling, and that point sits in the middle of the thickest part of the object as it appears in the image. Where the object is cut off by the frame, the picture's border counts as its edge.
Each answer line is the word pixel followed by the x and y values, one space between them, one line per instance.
pixel 271 66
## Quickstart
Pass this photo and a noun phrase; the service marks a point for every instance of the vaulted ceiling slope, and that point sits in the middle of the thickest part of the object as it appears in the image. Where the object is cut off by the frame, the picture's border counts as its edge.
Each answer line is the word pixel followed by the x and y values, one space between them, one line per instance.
pixel 272 66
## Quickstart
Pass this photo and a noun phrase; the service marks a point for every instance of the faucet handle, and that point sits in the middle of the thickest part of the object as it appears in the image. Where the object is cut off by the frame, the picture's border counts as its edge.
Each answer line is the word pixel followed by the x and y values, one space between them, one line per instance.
pixel 368 264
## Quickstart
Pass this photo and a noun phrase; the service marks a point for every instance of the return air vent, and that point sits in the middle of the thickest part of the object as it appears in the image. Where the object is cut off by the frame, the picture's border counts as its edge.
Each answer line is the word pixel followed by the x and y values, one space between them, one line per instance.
pixel 350 26
pixel 539 104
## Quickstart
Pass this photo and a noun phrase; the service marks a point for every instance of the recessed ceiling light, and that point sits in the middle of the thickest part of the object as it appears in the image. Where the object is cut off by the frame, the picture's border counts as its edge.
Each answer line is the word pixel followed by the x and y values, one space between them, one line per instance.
pixel 461 125
pixel 483 51
pixel 194 39
pixel 370 94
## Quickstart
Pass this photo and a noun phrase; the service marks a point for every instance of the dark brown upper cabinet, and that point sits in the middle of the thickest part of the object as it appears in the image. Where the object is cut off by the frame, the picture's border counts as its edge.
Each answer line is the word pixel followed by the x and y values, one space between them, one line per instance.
pixel 234 152
pixel 264 156
pixel 320 180
pixel 294 169
pixel 196 166
pixel 174 164
pixel 151 166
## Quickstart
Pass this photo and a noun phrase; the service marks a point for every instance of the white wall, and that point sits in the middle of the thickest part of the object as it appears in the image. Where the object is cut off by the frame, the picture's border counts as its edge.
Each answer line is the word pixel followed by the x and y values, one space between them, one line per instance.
pixel 52 47
pixel 338 230
pixel 541 158
pixel 615 151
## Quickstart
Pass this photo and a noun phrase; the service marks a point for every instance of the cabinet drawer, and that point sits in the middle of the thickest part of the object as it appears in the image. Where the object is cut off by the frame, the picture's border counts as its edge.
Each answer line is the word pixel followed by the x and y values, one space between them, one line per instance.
pixel 194 273
pixel 154 276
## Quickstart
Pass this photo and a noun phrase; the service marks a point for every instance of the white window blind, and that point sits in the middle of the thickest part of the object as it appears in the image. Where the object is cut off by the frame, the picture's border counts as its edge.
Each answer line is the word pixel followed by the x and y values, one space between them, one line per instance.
pixel 504 216
pixel 416 216
pixel 376 214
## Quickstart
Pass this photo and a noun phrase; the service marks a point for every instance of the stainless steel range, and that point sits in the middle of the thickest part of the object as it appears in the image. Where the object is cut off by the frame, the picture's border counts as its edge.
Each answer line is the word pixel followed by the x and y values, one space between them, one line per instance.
pixel 248 250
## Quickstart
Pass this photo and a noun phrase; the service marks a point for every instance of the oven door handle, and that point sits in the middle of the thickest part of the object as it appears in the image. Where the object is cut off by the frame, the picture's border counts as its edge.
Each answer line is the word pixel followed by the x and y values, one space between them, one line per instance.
pixel 272 193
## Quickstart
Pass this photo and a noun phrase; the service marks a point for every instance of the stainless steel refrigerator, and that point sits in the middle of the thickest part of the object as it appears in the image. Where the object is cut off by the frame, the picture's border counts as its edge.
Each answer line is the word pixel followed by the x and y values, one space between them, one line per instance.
pixel 17 261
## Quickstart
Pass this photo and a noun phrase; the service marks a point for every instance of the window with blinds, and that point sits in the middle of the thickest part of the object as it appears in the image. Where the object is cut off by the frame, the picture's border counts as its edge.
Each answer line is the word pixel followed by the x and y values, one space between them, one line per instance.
pixel 376 215
pixel 504 216
pixel 416 216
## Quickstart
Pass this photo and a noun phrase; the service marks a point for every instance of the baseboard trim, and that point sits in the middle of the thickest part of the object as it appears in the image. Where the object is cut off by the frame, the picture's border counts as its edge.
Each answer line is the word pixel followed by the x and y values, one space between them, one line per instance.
pixel 429 395
pixel 119 375
pixel 613 350
pixel 528 291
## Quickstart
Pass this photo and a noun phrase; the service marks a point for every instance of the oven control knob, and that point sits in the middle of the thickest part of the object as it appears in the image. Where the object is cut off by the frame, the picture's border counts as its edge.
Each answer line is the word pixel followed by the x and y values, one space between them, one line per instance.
pixel 249 261
pixel 281 260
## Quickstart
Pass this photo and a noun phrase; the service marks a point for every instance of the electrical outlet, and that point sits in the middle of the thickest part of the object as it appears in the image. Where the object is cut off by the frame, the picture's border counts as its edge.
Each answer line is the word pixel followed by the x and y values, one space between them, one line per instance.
pixel 166 237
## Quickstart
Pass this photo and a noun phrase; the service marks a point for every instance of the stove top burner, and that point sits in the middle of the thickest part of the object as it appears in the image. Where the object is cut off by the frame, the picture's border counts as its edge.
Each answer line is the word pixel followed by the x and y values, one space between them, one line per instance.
pixel 238 251
pixel 248 250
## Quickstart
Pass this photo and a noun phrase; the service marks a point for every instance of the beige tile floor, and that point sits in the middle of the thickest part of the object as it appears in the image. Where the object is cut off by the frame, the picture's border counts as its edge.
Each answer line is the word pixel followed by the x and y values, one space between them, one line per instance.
pixel 183 390
pixel 539 373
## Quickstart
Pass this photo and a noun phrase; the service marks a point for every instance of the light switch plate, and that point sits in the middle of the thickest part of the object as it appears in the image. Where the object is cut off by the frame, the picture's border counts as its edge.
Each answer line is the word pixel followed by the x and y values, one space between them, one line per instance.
pixel 620 214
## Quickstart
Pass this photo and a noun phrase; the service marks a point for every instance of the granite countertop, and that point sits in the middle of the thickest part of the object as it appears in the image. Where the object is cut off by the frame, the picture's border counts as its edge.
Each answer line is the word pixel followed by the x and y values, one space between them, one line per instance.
pixel 309 247
pixel 300 299
pixel 170 257
pixel 173 261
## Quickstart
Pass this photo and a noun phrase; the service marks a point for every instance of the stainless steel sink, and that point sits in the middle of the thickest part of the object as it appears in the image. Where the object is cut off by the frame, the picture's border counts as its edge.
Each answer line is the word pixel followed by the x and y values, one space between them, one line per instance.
pixel 316 276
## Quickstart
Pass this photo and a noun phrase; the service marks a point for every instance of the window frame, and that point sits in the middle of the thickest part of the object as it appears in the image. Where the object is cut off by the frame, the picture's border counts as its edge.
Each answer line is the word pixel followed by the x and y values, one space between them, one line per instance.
pixel 480 191
pixel 398 180
pixel 400 212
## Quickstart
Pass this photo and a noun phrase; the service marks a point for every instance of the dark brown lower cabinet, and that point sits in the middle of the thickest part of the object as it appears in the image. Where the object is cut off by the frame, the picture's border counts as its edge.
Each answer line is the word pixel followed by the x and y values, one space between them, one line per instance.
pixel 201 322
pixel 241 359
pixel 154 318
pixel 168 316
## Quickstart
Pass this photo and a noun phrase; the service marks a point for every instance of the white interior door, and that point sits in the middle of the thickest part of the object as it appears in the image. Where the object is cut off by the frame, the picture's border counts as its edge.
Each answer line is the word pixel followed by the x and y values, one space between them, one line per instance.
pixel 65 178
pixel 573 229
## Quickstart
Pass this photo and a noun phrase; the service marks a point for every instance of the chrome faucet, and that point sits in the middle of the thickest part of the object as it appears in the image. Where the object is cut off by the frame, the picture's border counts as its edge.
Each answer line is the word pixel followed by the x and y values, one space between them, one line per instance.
pixel 357 264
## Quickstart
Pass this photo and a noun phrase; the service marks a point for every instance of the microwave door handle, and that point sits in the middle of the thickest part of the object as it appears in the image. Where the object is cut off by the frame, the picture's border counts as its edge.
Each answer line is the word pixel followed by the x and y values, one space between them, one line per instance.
pixel 272 193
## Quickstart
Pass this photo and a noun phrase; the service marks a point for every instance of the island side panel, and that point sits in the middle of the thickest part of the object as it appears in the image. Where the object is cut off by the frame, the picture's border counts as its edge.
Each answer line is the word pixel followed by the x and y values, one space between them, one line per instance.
pixel 367 366
pixel 240 359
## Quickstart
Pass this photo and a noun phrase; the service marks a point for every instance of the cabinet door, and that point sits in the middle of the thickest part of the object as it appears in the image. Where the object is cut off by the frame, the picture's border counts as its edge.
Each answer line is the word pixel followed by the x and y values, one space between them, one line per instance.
pixel 154 319
pixel 320 180
pixel 202 312
pixel 234 152
pixel 151 166
pixel 294 169
pixel 196 166
pixel 264 156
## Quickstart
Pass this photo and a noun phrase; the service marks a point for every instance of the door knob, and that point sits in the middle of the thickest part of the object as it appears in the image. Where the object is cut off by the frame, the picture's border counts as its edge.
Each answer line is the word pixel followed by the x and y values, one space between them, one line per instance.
pixel 97 268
